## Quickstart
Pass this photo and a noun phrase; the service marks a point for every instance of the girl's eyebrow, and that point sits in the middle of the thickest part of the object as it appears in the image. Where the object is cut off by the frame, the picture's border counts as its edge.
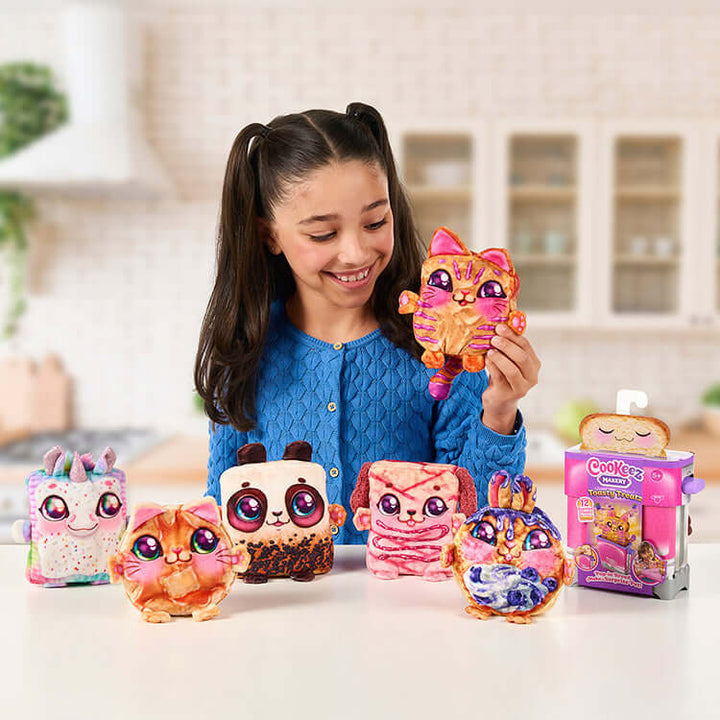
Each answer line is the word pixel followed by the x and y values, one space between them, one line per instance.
pixel 335 216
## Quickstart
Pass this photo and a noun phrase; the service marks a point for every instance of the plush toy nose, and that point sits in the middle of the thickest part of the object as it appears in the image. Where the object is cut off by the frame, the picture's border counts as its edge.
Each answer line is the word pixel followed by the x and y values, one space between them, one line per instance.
pixel 276 513
pixel 411 512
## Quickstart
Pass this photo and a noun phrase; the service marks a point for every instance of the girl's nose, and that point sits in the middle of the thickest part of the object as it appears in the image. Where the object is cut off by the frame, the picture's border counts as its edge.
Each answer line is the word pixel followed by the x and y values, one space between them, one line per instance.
pixel 352 250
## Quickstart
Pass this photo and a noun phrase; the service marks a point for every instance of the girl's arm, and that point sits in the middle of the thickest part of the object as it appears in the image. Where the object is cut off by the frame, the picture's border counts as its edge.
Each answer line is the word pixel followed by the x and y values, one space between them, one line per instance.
pixel 225 441
pixel 462 439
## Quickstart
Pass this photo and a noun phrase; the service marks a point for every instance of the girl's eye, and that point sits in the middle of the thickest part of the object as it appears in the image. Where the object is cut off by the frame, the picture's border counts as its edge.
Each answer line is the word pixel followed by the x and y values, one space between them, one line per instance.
pixel 376 225
pixel 108 505
pixel 440 279
pixel 54 508
pixel 486 532
pixel 389 505
pixel 434 507
pixel 491 289
pixel 147 547
pixel 304 504
pixel 203 541
pixel 537 540
pixel 322 238
pixel 246 510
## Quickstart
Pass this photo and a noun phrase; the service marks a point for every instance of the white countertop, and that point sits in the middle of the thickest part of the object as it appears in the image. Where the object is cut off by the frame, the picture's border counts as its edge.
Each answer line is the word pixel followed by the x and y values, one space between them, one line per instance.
pixel 350 646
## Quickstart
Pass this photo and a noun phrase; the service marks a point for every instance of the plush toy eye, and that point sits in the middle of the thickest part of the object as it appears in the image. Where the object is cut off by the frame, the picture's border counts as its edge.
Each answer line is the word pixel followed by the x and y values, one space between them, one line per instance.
pixel 304 505
pixel 203 541
pixel 537 540
pixel 108 505
pixel 147 547
pixel 486 532
pixel 246 510
pixel 639 434
pixel 434 506
pixel 606 432
pixel 491 289
pixel 389 505
pixel 441 279
pixel 54 508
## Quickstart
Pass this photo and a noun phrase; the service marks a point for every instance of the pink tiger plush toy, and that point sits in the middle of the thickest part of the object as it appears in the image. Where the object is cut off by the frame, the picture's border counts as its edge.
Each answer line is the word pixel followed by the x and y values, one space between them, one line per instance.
pixel 463 297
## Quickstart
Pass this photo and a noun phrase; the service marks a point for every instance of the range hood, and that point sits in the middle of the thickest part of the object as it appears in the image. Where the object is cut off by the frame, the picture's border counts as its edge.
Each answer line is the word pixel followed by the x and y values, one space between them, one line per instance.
pixel 101 150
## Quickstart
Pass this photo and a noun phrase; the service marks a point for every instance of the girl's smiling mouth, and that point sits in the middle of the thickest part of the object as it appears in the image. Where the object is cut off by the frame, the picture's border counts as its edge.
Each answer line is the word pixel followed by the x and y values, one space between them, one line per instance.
pixel 354 279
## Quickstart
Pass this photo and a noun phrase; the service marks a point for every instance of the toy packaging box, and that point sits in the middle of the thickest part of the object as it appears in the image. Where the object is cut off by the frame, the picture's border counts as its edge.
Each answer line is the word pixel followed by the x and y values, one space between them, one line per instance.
pixel 627 516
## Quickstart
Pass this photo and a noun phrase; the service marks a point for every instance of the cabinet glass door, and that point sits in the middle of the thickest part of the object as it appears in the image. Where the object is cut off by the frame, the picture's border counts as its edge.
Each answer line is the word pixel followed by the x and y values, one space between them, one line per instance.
pixel 542 219
pixel 438 174
pixel 717 237
pixel 646 238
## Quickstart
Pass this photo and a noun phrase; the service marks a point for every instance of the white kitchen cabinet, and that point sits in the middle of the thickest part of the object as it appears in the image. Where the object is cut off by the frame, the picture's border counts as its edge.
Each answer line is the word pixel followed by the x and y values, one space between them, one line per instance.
pixel 708 273
pixel 610 224
pixel 648 236
pixel 540 211
pixel 442 168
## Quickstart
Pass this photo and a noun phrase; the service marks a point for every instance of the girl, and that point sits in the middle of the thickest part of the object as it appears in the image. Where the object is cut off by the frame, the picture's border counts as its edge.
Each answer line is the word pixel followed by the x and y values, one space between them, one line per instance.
pixel 302 339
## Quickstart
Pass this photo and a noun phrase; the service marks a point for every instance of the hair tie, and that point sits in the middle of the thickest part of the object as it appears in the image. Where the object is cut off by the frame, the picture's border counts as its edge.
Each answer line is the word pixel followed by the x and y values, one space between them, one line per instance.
pixel 265 130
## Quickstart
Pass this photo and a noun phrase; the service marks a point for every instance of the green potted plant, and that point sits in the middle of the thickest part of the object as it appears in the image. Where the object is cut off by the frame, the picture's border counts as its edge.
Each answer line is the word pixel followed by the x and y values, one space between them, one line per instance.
pixel 30 107
pixel 711 409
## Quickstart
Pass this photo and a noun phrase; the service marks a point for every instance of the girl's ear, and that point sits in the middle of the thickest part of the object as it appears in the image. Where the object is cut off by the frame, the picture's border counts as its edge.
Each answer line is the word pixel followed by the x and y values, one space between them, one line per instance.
pixel 265 233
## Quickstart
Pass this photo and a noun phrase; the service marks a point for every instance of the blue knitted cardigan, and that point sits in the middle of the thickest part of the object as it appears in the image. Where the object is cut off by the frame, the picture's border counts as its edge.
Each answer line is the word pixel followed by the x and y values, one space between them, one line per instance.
pixel 360 401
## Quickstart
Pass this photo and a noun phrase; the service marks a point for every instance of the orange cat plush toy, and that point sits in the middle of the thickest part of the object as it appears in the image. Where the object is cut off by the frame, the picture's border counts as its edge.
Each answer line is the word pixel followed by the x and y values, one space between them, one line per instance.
pixel 463 297
pixel 177 560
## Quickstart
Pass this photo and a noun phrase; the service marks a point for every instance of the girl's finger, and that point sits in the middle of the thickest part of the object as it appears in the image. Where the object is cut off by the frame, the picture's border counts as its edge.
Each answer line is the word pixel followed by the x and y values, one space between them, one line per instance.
pixel 510 371
pixel 527 362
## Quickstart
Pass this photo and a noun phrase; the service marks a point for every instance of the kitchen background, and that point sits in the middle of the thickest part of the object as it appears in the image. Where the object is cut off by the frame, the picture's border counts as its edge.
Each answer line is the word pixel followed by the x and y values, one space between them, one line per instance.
pixel 586 140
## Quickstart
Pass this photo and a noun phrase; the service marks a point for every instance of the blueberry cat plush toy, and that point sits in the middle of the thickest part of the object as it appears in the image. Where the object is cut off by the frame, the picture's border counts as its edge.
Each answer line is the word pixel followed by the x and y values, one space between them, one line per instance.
pixel 463 297
pixel 279 512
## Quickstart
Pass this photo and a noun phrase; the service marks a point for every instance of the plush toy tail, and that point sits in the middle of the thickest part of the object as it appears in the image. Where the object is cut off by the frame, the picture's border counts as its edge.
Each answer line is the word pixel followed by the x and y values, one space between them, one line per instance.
pixel 441 381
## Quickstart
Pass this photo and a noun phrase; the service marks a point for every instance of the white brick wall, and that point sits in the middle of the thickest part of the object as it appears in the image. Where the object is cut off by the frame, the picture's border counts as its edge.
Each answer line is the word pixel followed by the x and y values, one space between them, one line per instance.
pixel 118 290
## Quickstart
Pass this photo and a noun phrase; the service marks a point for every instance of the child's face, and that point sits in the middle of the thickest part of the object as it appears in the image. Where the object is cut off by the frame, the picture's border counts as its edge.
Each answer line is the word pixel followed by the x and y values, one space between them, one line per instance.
pixel 335 229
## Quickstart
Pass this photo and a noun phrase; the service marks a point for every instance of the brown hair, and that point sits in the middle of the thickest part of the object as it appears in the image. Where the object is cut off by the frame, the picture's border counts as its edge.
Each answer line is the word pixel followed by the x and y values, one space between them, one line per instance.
pixel 264 162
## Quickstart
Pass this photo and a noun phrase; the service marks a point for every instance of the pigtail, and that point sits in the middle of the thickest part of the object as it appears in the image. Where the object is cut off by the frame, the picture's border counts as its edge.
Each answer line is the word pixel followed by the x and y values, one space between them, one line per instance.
pixel 238 312
pixel 403 271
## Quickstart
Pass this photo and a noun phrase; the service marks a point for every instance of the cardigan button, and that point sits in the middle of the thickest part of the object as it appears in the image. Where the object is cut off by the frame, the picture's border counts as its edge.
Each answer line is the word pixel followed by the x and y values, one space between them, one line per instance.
pixel 334 472
pixel 338 346
pixel 332 407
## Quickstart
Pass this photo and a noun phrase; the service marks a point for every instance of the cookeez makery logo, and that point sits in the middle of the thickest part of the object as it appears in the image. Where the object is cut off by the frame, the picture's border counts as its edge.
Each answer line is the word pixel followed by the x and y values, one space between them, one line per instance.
pixel 613 473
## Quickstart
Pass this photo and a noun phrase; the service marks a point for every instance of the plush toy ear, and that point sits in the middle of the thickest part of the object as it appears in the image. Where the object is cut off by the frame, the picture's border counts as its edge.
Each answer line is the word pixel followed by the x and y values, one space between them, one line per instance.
pixel 51 457
pixel 467 502
pixel 446 242
pixel 206 509
pixel 106 461
pixel 499 257
pixel 143 513
pixel 360 497
pixel 298 450
pixel 251 453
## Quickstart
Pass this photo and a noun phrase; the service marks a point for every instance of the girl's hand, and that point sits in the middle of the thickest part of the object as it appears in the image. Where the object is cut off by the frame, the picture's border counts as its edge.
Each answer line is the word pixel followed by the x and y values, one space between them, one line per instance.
pixel 513 369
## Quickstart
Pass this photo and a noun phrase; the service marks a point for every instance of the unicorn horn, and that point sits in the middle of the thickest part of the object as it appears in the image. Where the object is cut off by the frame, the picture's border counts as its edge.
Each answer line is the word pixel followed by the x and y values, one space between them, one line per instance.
pixel 77 470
